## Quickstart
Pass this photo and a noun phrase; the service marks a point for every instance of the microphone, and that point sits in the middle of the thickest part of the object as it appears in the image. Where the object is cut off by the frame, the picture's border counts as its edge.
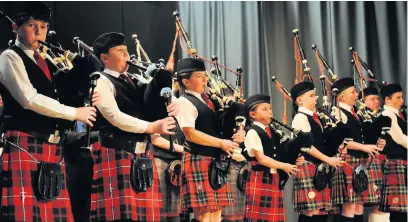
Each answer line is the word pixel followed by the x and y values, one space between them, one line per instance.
pixel 167 94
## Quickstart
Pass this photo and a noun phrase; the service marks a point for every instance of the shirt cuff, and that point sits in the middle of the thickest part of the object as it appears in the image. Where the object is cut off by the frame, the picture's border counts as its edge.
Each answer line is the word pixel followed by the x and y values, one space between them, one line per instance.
pixel 70 113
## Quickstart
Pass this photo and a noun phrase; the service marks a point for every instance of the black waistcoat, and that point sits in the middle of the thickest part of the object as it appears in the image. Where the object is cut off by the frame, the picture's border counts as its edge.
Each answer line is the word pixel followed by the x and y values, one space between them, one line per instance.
pixel 392 149
pixel 129 101
pixel 271 145
pixel 207 123
pixel 317 132
pixel 25 119
pixel 356 131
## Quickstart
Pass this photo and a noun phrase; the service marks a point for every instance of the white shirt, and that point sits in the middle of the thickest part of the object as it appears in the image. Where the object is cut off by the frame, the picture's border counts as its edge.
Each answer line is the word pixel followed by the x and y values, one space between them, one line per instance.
pixel 300 121
pixel 110 110
pixel 188 113
pixel 396 133
pixel 253 142
pixel 14 77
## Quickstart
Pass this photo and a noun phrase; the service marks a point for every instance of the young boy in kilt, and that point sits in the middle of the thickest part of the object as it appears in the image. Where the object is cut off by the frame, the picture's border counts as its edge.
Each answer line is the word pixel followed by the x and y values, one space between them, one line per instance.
pixel 123 137
pixel 198 120
pixel 371 99
pixel 264 199
pixel 310 203
pixel 394 194
pixel 358 153
pixel 33 124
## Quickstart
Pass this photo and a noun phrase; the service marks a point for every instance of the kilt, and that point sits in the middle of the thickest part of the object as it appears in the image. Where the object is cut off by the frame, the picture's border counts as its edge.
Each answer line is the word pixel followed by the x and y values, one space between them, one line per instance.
pixel 113 197
pixel 394 196
pixel 305 196
pixel 19 202
pixel 238 209
pixel 376 172
pixel 264 200
pixel 170 193
pixel 196 191
pixel 342 186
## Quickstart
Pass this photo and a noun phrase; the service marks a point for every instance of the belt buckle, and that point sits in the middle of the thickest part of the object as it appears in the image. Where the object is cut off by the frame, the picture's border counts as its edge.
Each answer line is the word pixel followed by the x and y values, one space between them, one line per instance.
pixel 140 147
pixel 54 138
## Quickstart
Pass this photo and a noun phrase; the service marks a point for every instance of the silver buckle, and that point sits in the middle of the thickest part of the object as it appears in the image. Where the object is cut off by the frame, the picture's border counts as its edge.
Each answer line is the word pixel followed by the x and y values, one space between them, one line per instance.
pixel 140 147
pixel 54 138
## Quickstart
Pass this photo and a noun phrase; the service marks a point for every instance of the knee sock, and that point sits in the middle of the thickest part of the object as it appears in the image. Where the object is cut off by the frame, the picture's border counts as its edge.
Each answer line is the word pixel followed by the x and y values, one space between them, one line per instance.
pixel 304 218
pixel 384 217
pixel 346 219
pixel 398 216
pixel 358 218
pixel 320 218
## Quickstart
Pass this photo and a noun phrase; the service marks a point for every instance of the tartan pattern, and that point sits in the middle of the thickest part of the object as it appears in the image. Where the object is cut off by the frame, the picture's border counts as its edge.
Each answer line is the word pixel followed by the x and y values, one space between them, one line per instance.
pixel 238 208
pixel 376 172
pixel 113 197
pixel 170 193
pixel 264 200
pixel 18 171
pixel 342 187
pixel 394 196
pixel 196 191
pixel 303 185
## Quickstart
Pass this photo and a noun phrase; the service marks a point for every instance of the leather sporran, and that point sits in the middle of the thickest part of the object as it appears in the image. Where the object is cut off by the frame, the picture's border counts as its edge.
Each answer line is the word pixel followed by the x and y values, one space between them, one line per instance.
pixel 321 177
pixel 141 173
pixel 49 181
pixel 360 179
pixel 218 173
pixel 243 177
pixel 174 173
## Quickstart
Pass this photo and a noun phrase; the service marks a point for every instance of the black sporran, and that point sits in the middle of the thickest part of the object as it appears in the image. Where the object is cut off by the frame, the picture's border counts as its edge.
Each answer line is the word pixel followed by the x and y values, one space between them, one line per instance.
pixel 141 173
pixel 243 177
pixel 49 181
pixel 218 173
pixel 360 179
pixel 321 177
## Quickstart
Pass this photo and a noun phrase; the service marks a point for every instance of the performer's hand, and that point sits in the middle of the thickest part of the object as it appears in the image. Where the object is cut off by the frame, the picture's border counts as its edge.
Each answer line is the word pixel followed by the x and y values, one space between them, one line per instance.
pixel 335 162
pixel 162 126
pixel 228 146
pixel 86 115
pixel 179 148
pixel 381 143
pixel 290 169
pixel 239 136
pixel 371 149
pixel 173 108
pixel 300 160
pixel 96 98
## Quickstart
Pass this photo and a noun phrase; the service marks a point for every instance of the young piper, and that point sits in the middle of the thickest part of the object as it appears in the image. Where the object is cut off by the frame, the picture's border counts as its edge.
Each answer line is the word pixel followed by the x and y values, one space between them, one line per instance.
pixel 371 100
pixel 358 153
pixel 35 132
pixel 310 203
pixel 394 195
pixel 198 120
pixel 264 199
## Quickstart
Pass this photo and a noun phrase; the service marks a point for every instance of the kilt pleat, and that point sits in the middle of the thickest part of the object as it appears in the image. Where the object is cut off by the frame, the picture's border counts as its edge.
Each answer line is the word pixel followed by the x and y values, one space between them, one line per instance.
pixel 196 191
pixel 19 202
pixel 394 195
pixel 113 197
pixel 170 193
pixel 238 209
pixel 342 186
pixel 305 196
pixel 264 200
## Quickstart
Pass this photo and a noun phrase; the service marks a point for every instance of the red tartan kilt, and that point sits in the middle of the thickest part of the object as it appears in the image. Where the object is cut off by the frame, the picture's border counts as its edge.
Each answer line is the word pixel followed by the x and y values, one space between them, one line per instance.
pixel 196 191
pixel 305 196
pixel 113 197
pixel 376 171
pixel 264 200
pixel 19 169
pixel 342 184
pixel 394 195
